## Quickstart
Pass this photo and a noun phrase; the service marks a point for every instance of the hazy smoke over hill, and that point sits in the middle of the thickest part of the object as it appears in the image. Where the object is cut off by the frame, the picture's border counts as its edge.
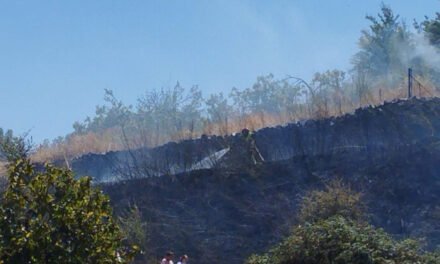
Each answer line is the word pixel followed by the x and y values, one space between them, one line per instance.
pixel 425 51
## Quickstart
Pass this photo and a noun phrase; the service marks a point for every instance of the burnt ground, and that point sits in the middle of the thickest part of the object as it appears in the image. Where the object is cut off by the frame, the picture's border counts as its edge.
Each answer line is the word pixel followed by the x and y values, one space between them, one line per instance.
pixel 391 153
pixel 210 214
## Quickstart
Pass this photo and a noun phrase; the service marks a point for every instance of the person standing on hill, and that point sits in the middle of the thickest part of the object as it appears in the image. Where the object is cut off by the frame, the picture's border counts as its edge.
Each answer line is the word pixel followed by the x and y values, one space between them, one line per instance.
pixel 250 146
pixel 168 259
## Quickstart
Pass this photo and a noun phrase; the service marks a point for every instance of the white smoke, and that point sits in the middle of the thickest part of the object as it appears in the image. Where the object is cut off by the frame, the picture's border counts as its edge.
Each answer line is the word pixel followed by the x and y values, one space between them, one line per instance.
pixel 425 51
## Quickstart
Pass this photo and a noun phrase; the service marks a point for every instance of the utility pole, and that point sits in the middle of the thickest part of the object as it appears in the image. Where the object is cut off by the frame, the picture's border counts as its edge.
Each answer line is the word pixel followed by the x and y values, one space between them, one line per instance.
pixel 409 82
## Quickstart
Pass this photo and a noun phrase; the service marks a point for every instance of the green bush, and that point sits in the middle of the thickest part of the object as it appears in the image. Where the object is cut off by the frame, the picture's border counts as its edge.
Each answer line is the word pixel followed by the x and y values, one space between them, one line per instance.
pixel 336 199
pixel 334 231
pixel 49 217
pixel 343 241
pixel 136 232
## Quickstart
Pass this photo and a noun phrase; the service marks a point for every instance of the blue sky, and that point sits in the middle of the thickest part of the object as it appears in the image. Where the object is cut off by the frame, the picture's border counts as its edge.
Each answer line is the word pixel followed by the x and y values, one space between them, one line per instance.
pixel 57 57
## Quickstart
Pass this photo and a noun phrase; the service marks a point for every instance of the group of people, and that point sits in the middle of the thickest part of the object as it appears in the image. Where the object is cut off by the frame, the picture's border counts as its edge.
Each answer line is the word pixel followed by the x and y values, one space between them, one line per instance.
pixel 168 259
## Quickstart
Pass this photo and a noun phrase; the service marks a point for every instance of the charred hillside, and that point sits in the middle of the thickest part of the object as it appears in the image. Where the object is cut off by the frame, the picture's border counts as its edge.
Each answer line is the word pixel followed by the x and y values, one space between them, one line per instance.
pixel 383 128
pixel 210 213
pixel 391 153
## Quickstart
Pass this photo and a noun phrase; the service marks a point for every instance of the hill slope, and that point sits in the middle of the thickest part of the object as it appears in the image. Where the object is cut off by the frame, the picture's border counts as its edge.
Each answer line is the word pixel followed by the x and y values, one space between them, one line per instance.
pixel 384 128
pixel 391 153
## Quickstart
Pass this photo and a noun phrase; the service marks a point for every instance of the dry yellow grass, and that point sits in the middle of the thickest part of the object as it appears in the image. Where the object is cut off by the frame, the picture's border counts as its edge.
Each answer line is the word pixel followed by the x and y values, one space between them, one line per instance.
pixel 3 169
pixel 78 145
pixel 112 139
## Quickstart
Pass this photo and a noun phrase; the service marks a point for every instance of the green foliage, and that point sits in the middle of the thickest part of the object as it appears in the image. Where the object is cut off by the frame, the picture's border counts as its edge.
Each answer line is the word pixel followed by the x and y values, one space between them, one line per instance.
pixel 384 49
pixel 328 93
pixel 112 115
pixel 432 28
pixel 217 107
pixel 178 113
pixel 333 230
pixel 343 241
pixel 336 199
pixel 13 147
pixel 49 217
pixel 267 95
pixel 134 228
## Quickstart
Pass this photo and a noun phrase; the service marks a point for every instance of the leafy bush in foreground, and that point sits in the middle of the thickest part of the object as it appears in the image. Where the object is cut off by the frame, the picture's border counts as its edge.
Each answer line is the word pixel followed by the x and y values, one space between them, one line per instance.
pixel 342 241
pixel 50 217
pixel 334 231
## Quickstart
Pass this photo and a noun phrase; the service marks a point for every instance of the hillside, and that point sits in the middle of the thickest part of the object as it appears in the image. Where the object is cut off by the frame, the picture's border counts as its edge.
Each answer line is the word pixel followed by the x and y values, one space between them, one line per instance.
pixel 387 127
pixel 390 153
pixel 212 214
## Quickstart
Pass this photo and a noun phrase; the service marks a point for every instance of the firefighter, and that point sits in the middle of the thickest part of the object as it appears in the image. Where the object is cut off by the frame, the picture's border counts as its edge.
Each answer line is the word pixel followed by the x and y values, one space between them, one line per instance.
pixel 250 146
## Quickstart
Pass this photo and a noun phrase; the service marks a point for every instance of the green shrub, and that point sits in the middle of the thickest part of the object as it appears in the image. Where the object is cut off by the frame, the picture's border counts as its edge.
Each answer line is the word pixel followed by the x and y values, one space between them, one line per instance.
pixel 49 217
pixel 333 231
pixel 343 241
pixel 336 199
pixel 136 231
